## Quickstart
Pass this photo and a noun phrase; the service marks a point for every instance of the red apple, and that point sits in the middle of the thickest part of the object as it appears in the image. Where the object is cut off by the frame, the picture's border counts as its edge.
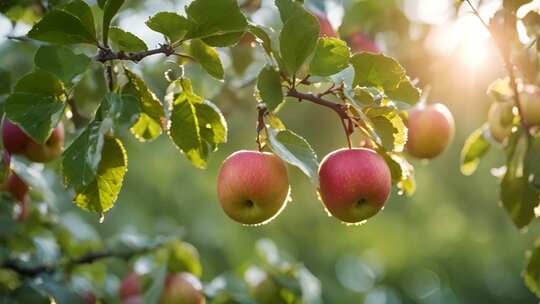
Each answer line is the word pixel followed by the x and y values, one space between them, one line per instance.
pixel 362 43
pixel 500 118
pixel 530 105
pixel 130 286
pixel 133 300
pixel 431 129
pixel 354 184
pixel 326 27
pixel 89 298
pixel 253 187
pixel 182 288
pixel 17 142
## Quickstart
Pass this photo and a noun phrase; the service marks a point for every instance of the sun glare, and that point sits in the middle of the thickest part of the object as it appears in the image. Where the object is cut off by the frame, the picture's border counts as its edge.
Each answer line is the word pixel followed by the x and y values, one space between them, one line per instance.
pixel 465 39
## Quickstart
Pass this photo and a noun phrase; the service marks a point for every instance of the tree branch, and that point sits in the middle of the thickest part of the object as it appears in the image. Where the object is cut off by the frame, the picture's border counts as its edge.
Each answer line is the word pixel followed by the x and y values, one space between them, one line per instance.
pixel 106 54
pixel 88 258
pixel 340 109
pixel 509 66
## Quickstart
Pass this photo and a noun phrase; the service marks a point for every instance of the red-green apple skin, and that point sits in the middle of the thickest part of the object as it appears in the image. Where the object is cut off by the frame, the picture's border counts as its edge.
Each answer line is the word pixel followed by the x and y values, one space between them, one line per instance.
pixel 530 105
pixel 130 286
pixel 182 288
pixel 500 119
pixel 253 187
pixel 362 43
pixel 89 298
pixel 354 184
pixel 431 129
pixel 17 142
pixel 327 30
pixel 17 188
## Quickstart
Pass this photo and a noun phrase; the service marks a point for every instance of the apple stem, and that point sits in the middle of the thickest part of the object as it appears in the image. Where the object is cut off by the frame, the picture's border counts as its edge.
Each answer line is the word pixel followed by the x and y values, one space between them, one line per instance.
pixel 509 66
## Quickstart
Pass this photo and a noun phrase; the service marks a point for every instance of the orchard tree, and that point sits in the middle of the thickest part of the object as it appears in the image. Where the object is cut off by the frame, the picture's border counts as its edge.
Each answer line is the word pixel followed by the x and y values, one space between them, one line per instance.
pixel 374 101
pixel 513 123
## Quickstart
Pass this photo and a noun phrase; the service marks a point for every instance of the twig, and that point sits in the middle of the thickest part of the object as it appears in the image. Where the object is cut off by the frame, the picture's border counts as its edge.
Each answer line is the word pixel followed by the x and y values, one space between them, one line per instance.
pixel 260 125
pixel 106 54
pixel 19 38
pixel 340 109
pixel 89 258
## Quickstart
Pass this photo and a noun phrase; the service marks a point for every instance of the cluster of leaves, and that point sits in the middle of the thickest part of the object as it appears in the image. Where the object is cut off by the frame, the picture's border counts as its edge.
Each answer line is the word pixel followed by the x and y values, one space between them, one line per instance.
pixel 519 184
pixel 368 91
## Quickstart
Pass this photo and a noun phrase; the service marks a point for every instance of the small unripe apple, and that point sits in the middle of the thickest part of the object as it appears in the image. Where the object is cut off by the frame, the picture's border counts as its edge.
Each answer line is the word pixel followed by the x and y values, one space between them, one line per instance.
pixel 354 184
pixel 500 119
pixel 17 142
pixel 530 105
pixel 267 291
pixel 253 187
pixel 182 288
pixel 431 129
pixel 362 43
pixel 130 286
pixel 326 27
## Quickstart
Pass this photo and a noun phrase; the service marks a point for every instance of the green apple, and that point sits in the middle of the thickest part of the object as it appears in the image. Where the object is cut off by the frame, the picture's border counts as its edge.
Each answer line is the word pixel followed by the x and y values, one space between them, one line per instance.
pixel 500 118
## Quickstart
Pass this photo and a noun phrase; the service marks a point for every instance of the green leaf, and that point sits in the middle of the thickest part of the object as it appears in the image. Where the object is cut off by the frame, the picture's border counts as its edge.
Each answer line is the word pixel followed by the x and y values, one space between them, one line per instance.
pixel 41 82
pixel 172 25
pixel 295 150
pixel 207 57
pixel 121 110
pixel 298 40
pixel 476 146
pixel 196 125
pixel 287 8
pixel 61 61
pixel 100 195
pixel 269 86
pixel 110 9
pixel 224 40
pixel 214 18
pixel 81 10
pixel 532 161
pixel 151 120
pixel 368 95
pixel 331 57
pixel 406 92
pixel 389 126
pixel 5 82
pixel 82 158
pixel 62 28
pixel 261 34
pixel 183 257
pixel 531 275
pixel 126 41
pixel 37 104
pixel 377 70
pixel 36 114
pixel 153 294
pixel 517 195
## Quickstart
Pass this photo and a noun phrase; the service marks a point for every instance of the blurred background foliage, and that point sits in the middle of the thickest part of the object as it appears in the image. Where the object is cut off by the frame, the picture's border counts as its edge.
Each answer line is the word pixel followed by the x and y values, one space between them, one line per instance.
pixel 449 243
